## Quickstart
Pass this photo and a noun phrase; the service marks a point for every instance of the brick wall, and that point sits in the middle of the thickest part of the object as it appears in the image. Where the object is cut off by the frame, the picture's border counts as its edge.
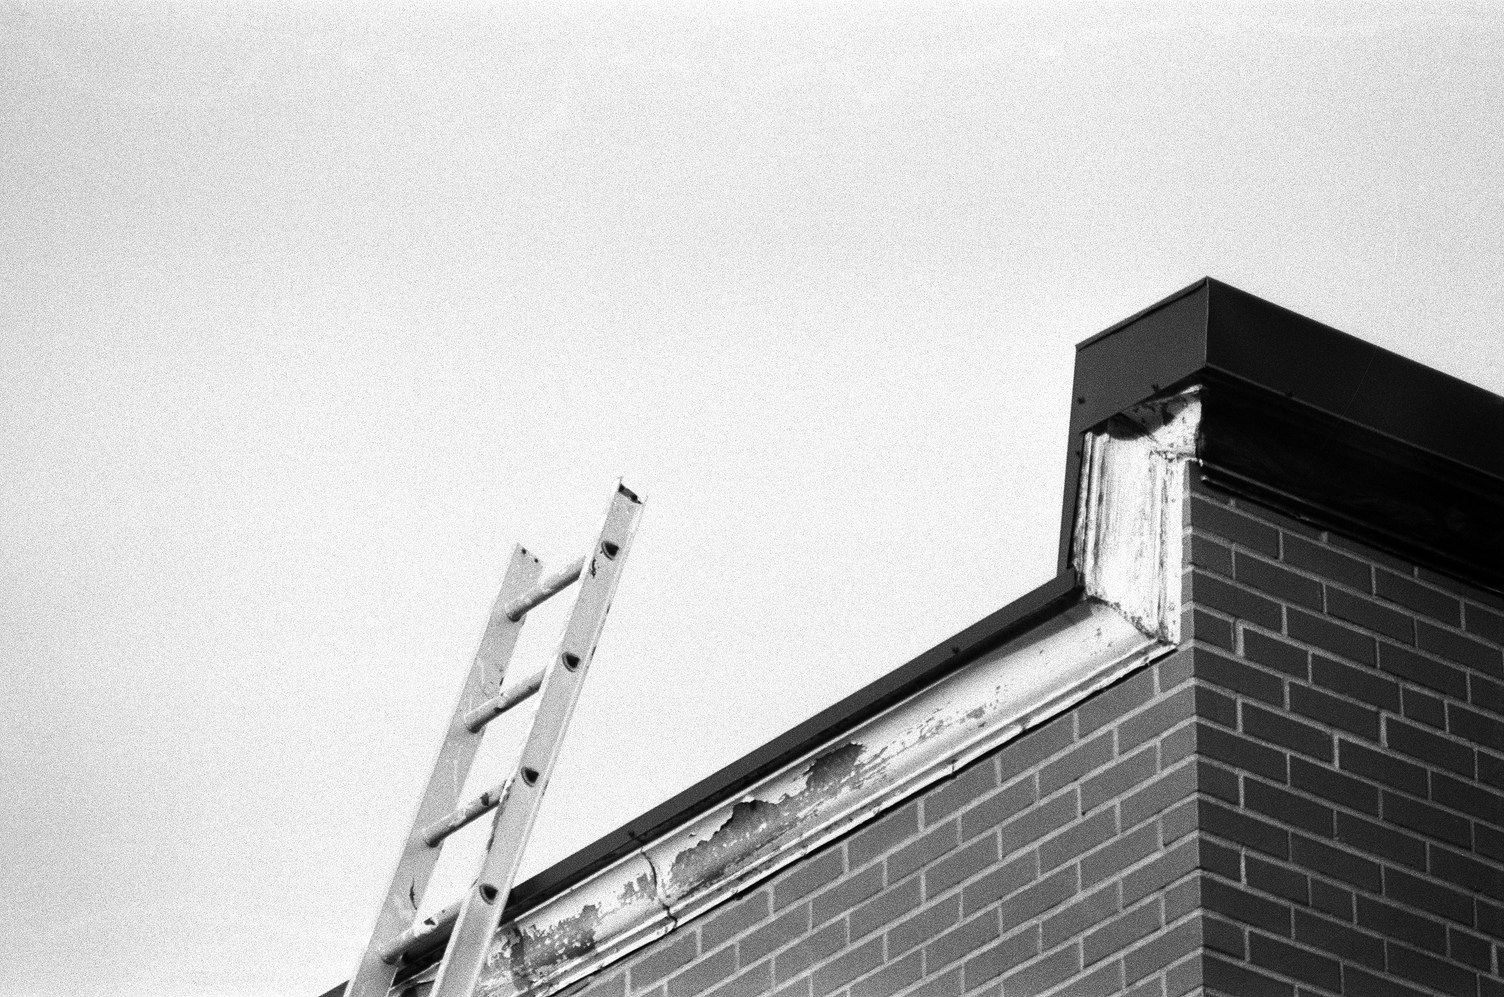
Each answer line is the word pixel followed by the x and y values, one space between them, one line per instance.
pixel 1307 798
pixel 1066 858
pixel 1352 730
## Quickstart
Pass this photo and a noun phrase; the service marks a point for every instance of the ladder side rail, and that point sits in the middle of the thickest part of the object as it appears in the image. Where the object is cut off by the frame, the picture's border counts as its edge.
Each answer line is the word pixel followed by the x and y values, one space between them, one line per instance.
pixel 480 912
pixel 373 977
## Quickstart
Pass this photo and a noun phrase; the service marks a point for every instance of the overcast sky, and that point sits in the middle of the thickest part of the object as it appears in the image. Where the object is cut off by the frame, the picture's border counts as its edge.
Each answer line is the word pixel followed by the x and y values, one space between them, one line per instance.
pixel 308 314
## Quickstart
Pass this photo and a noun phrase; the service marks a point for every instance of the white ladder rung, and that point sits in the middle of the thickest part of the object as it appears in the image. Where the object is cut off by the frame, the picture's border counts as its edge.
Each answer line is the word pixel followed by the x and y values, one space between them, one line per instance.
pixel 549 587
pixel 493 708
pixel 460 816
pixel 414 936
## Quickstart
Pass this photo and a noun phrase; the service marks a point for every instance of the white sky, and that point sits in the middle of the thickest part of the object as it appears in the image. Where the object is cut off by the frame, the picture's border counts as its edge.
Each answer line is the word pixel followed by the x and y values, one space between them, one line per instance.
pixel 308 314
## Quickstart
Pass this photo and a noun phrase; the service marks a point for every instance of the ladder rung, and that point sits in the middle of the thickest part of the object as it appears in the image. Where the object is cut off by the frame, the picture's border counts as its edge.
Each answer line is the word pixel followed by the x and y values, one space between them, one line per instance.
pixel 549 586
pixel 414 936
pixel 458 818
pixel 493 708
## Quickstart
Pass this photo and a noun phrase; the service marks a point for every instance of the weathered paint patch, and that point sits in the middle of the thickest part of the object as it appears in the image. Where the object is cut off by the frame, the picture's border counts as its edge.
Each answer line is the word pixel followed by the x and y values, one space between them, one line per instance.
pixel 753 824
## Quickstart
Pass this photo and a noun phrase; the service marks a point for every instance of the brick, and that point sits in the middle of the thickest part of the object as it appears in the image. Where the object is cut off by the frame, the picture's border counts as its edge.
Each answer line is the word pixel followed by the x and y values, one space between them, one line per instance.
pixel 1279 880
pixel 1488 840
pixel 1286 732
pixel 1357 683
pixel 960 866
pixel 1276 653
pixel 799 988
pixel 1037 822
pixel 1475 801
pixel 1210 629
pixel 1415 892
pixel 924 926
pixel 1179 941
pixel 1221 859
pixel 1034 900
pixel 1484 623
pixel 1161 872
pixel 702 975
pixel 1382 840
pixel 1224 936
pixel 1233 978
pixel 1490 919
pixel 1000 882
pixel 1165 791
pixel 1180 979
pixel 1122 852
pixel 812 949
pixel 1366 613
pixel 1426 819
pixel 1230 525
pixel 656 965
pixel 1397 922
pixel 1241 753
pixel 1355 946
pixel 997 808
pixel 1081 837
pixel 883 834
pixel 1490 769
pixel 1430 971
pixel 886 907
pixel 1075 763
pixel 1249 831
pixel 1287 808
pixel 1425 708
pixel 1173 669
pixel 1120 932
pixel 774 935
pixel 1008 953
pixel 962 940
pixel 1024 753
pixel 1361 983
pixel 890 979
pixel 1479 728
pixel 808 876
pixel 1469 949
pixel 1381 767
pixel 944 985
pixel 1460 649
pixel 846 894
pixel 1215 593
pixel 970 785
pixel 753 982
pixel 1105 981
pixel 1112 703
pixel 1217 781
pixel 1486 694
pixel 838 972
pixel 1335 638
pixel 1370 553
pixel 1287 960
pixel 1285 523
pixel 1487 598
pixel 615 986
pixel 1318 780
pixel 1042 974
pixel 929 847
pixel 1333 900
pixel 1157 719
pixel 1215 706
pixel 1328 563
pixel 1178 821
pixel 1281 583
pixel 1422 598
pixel 1176 746
pixel 1417 742
pixel 1337 863
pixel 1078 916
pixel 1118 779
pixel 1205 552
pixel 1422 670
pixel 734 918
pixel 1467 872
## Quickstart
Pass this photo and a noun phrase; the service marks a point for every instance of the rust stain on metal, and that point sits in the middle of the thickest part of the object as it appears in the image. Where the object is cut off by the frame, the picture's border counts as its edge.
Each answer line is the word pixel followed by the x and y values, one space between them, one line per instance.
pixel 756 823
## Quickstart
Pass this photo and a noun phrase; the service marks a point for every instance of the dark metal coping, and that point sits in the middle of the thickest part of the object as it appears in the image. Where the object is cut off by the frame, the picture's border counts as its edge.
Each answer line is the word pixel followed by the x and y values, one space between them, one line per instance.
pixel 1404 456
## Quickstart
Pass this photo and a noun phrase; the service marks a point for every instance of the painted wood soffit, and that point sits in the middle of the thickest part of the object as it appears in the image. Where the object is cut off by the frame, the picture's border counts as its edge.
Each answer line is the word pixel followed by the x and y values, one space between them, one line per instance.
pixel 1128 553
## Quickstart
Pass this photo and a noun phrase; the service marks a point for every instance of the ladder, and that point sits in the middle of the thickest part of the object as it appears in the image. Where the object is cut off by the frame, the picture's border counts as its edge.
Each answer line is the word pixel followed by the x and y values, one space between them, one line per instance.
pixel 472 920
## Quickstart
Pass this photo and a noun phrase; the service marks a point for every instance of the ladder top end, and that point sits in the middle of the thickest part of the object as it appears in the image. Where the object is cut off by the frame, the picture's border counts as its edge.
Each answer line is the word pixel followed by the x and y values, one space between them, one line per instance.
pixel 623 489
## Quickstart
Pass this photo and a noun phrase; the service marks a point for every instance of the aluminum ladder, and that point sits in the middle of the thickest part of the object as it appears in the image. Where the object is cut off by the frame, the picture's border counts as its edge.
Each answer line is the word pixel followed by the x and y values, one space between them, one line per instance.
pixel 472 920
